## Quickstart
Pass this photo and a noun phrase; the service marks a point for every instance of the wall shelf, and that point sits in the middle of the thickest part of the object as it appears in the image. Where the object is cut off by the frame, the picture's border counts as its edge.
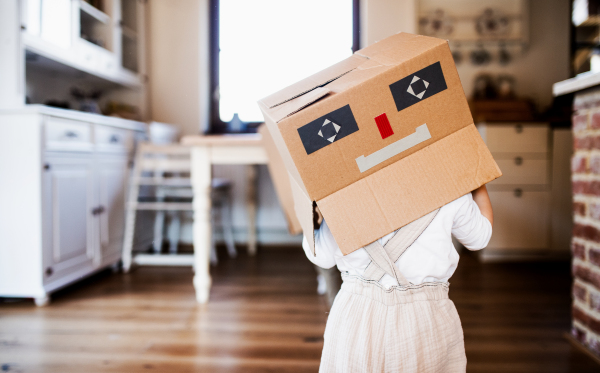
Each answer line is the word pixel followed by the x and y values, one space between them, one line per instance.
pixel 94 12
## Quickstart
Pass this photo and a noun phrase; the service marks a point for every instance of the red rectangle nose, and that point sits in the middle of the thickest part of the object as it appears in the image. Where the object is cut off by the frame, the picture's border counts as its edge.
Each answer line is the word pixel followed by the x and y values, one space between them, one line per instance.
pixel 385 128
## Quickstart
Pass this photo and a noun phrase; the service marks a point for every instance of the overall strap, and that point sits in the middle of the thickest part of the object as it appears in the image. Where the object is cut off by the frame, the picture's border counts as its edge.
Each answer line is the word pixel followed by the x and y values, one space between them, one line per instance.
pixel 383 258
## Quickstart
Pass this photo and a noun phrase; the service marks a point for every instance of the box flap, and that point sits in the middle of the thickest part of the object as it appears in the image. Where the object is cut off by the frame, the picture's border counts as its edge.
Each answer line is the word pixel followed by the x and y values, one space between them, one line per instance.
pixel 280 112
pixel 281 181
pixel 304 207
pixel 408 189
pixel 314 81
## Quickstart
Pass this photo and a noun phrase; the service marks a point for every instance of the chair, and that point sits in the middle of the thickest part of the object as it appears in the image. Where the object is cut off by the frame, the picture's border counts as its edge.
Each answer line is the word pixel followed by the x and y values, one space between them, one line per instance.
pixel 166 168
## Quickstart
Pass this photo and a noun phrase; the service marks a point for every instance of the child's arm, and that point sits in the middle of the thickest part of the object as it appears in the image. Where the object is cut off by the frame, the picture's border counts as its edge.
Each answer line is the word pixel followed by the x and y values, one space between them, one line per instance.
pixel 482 199
pixel 325 245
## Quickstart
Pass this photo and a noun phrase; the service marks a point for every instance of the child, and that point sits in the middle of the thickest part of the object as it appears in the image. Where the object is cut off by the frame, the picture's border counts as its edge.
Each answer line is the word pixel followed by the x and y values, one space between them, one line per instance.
pixel 392 313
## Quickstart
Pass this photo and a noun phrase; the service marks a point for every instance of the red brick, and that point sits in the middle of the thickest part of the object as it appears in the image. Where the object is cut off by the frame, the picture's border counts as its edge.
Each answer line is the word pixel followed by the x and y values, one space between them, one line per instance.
pixel 594 256
pixel 586 275
pixel 580 122
pixel 594 210
pixel 580 292
pixel 586 231
pixel 594 301
pixel 579 208
pixel 587 320
pixel 579 164
pixel 578 251
pixel 583 143
pixel 579 334
pixel 595 120
pixel 586 187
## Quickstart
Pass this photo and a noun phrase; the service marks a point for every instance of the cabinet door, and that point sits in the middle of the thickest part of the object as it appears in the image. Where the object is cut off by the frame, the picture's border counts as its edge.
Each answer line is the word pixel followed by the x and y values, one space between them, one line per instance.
pixel 112 173
pixel 68 200
pixel 521 220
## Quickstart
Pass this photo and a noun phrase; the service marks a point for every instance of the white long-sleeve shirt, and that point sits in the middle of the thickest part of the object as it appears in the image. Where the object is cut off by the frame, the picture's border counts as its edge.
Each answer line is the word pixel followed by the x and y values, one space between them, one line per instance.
pixel 432 257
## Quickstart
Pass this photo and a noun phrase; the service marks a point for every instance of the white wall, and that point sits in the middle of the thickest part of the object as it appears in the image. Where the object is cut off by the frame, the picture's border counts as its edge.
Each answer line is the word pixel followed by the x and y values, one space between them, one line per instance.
pixel 178 63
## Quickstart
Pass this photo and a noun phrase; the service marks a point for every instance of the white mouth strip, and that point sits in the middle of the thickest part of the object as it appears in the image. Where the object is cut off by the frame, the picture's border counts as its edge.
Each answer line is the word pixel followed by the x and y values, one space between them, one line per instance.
pixel 421 134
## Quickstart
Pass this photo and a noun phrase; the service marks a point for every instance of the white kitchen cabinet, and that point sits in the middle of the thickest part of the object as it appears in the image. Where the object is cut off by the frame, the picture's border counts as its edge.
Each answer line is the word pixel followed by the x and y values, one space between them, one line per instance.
pixel 62 194
pixel 68 209
pixel 531 201
pixel 112 173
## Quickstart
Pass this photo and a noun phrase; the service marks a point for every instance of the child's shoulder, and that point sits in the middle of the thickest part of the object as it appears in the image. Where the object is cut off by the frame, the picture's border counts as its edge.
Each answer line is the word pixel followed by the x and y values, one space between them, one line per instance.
pixel 467 199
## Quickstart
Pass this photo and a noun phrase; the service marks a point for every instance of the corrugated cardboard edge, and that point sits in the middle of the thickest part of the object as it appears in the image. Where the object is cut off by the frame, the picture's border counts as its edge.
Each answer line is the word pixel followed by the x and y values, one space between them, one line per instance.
pixel 304 208
pixel 281 181
pixel 389 196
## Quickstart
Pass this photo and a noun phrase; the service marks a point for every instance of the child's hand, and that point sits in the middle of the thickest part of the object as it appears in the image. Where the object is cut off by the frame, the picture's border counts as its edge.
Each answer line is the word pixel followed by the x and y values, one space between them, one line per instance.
pixel 482 199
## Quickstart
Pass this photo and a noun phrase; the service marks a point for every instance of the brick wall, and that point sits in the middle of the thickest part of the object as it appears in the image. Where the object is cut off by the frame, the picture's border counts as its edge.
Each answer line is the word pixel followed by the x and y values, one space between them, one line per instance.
pixel 585 247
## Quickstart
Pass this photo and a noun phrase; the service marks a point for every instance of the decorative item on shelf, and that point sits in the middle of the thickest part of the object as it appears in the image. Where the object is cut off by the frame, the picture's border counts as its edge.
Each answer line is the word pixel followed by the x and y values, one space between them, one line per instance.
pixel 437 23
pixel 484 87
pixel 505 87
pixel 480 56
pixel 504 57
pixel 121 110
pixel 492 23
pixel 457 54
pixel 88 102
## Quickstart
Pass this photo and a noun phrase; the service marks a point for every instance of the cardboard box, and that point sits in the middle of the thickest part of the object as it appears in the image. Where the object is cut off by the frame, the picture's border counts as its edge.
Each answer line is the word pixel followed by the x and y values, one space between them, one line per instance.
pixel 378 140
pixel 281 181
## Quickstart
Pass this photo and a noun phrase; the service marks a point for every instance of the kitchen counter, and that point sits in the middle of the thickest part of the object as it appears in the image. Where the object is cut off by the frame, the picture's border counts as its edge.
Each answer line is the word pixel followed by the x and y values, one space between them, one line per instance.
pixel 578 83
pixel 77 115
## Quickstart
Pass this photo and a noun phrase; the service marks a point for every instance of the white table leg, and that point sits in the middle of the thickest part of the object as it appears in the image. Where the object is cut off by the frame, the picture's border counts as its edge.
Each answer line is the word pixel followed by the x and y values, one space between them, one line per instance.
pixel 201 178
pixel 251 206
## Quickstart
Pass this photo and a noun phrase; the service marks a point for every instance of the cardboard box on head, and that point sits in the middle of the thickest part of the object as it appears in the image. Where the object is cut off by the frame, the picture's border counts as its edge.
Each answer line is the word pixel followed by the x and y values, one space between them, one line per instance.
pixel 378 140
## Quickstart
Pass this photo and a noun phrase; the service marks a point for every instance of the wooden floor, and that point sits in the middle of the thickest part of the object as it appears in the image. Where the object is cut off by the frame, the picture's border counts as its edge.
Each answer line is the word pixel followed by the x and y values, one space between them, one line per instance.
pixel 264 316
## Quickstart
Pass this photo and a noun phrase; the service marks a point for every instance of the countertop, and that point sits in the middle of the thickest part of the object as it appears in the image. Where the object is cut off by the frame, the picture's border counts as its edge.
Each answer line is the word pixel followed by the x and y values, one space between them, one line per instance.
pixel 578 83
pixel 77 115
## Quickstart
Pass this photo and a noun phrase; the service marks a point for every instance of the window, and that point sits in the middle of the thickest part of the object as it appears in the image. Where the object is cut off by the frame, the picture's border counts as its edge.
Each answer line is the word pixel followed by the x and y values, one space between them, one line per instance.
pixel 261 46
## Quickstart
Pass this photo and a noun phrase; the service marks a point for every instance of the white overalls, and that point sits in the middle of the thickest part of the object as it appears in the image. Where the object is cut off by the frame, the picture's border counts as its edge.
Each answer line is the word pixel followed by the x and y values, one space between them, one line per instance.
pixel 406 328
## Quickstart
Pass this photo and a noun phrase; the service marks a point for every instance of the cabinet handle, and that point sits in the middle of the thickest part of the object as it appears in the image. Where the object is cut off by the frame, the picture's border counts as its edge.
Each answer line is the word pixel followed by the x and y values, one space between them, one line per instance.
pixel 518 161
pixel 71 134
pixel 95 211
pixel 49 271
pixel 114 139
pixel 518 193
pixel 47 166
pixel 101 209
pixel 519 128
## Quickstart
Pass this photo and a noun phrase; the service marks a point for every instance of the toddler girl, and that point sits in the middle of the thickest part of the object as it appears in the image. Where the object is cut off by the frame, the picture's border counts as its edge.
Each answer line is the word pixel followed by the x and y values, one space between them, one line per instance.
pixel 392 313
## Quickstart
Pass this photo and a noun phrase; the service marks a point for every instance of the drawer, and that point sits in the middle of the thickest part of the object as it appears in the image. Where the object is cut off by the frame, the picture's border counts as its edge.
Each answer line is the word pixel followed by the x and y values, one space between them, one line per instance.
pixel 516 138
pixel 521 220
pixel 67 134
pixel 110 138
pixel 521 170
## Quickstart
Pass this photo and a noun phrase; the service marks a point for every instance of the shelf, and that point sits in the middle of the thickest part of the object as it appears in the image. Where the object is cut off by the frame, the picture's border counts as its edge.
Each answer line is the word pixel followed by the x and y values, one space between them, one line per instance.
pixel 94 12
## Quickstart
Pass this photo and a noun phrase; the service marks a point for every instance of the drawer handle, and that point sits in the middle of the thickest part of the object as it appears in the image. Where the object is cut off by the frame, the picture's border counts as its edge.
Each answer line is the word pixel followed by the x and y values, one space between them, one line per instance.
pixel 49 271
pixel 518 161
pixel 114 139
pixel 518 193
pixel 519 128
pixel 71 134
pixel 98 210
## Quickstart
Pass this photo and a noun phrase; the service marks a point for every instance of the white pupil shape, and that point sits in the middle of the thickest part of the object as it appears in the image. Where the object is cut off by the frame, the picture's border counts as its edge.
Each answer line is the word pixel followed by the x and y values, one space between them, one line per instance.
pixel 410 89
pixel 336 127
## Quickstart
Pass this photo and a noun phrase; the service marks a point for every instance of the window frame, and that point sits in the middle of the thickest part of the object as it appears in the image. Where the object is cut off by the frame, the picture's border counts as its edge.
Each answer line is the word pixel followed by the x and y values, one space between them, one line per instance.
pixel 216 125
